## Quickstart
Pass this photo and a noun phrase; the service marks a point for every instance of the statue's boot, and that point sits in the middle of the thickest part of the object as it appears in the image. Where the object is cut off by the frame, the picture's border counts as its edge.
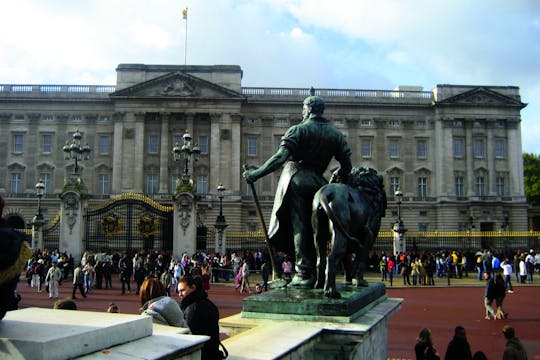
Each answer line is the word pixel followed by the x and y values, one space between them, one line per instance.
pixel 300 281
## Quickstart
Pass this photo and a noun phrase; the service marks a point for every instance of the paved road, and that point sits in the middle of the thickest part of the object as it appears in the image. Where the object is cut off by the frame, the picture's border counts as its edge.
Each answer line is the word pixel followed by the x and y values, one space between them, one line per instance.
pixel 440 308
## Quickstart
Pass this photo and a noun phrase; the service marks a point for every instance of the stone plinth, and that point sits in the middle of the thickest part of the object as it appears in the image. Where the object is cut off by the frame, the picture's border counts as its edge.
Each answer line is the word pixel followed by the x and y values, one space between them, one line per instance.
pixel 43 334
pixel 303 324
pixel 311 304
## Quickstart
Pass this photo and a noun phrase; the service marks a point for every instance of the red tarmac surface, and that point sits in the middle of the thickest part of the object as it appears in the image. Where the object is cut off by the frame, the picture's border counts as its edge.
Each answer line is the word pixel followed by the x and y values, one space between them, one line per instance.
pixel 438 308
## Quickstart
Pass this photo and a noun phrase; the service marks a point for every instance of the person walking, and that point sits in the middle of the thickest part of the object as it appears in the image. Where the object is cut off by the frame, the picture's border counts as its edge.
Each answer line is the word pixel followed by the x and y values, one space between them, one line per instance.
pixel 507 273
pixel 489 296
pixel 125 266
pixel 78 281
pixel 459 347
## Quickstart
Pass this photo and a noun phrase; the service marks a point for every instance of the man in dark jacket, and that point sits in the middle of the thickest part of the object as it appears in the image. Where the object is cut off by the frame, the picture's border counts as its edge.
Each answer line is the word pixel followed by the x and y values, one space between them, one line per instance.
pixel 201 314
pixel 458 348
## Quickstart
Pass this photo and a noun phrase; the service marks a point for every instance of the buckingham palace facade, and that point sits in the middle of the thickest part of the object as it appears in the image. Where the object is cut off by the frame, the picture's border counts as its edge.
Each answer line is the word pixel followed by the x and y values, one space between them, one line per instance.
pixel 454 152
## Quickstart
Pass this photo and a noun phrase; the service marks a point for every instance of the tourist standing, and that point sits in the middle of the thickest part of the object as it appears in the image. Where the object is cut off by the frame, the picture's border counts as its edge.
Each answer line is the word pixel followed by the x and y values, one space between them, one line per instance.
pixel 424 348
pixel 458 348
pixel 53 278
pixel 201 315
pixel 513 349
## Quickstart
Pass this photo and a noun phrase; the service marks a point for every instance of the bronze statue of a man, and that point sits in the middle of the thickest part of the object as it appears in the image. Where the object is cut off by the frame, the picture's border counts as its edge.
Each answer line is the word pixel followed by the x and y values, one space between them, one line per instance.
pixel 305 151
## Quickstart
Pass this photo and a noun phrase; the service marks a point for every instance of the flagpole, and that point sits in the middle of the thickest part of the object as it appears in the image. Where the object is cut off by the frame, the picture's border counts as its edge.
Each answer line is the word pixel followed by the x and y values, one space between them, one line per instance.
pixel 185 39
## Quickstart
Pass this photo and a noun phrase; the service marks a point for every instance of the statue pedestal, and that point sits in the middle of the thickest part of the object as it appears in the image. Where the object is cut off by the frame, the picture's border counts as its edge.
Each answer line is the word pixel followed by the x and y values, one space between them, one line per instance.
pixel 303 324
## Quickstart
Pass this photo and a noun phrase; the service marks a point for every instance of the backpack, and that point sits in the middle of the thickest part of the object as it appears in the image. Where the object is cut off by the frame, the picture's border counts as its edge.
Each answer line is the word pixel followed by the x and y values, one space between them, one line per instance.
pixel 35 269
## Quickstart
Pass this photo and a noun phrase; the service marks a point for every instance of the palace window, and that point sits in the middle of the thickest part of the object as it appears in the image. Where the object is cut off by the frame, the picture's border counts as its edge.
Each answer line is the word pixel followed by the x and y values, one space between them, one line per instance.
pixel 153 144
pixel 422 187
pixel 479 148
pixel 203 144
pixel 421 149
pixel 500 149
pixel 104 144
pixel 252 146
pixel 499 182
pixel 18 143
pixel 480 186
pixel 46 180
pixel 103 184
pixel 394 148
pixel 366 148
pixel 151 184
pixel 16 183
pixel 394 185
pixel 202 184
pixel 365 122
pixel 46 143
pixel 459 148
pixel 460 186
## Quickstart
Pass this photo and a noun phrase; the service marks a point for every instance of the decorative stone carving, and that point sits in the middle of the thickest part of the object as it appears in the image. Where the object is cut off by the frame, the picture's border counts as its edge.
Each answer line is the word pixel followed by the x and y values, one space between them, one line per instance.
pixel 179 87
pixel 71 207
pixel 185 205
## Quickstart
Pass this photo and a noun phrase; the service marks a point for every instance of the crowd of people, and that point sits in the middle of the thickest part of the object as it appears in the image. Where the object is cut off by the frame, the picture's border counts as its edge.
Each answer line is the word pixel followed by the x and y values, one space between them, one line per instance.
pixel 423 268
pixel 459 348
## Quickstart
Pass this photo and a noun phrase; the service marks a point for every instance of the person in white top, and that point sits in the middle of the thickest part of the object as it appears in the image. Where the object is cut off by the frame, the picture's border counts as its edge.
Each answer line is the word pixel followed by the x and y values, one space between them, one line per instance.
pixel 507 273
pixel 522 269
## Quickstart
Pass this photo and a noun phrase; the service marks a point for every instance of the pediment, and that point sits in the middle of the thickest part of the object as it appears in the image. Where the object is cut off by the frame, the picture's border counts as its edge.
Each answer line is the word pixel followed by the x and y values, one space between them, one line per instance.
pixel 394 170
pixel 482 97
pixel 422 170
pixel 177 85
pixel 16 166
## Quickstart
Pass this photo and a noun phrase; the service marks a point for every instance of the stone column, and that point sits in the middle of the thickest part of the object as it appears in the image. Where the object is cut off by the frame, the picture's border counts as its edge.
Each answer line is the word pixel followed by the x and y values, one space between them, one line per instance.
pixel 137 170
pixel 215 150
pixel 72 229
pixel 492 171
pixel 164 155
pixel 236 148
pixel 37 234
pixel 118 137
pixel 185 224
pixel 469 153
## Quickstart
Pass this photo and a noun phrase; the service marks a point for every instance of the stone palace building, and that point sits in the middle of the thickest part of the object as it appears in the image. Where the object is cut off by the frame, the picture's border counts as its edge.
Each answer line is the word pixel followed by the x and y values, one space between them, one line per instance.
pixel 454 152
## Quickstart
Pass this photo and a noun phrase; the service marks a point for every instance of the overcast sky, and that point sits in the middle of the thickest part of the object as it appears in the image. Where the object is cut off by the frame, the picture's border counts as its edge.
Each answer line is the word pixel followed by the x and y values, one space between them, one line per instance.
pixel 360 44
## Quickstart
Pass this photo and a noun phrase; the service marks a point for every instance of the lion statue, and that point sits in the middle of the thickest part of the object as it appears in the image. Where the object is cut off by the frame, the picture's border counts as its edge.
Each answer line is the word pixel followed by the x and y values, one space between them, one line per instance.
pixel 348 215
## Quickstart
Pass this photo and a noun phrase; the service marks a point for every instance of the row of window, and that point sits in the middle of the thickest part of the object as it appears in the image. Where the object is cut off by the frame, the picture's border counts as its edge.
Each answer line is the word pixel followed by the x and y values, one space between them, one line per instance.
pixel 394 148
pixel 104 182
pixel 366 146
pixel 152 184
pixel 480 186
pixel 104 143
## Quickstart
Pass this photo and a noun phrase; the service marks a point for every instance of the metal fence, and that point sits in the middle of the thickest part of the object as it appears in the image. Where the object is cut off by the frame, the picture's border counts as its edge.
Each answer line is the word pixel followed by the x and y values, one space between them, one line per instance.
pixel 432 240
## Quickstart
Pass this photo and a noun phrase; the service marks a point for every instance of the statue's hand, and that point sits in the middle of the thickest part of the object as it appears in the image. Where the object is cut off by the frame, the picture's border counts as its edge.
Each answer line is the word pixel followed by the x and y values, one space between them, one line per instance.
pixel 250 176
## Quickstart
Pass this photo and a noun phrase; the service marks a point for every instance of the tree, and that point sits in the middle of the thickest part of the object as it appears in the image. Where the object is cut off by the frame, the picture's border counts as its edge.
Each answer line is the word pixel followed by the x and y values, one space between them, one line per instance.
pixel 531 175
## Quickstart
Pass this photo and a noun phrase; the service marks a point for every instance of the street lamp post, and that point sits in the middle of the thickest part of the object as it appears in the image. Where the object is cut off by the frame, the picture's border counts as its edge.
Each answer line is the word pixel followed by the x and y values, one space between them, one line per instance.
pixel 221 223
pixel 185 153
pixel 399 227
pixel 38 221
pixel 76 151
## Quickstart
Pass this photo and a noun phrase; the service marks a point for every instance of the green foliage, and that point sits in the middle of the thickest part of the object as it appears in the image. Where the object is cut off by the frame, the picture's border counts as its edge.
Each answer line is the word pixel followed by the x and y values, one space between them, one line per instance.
pixel 531 175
